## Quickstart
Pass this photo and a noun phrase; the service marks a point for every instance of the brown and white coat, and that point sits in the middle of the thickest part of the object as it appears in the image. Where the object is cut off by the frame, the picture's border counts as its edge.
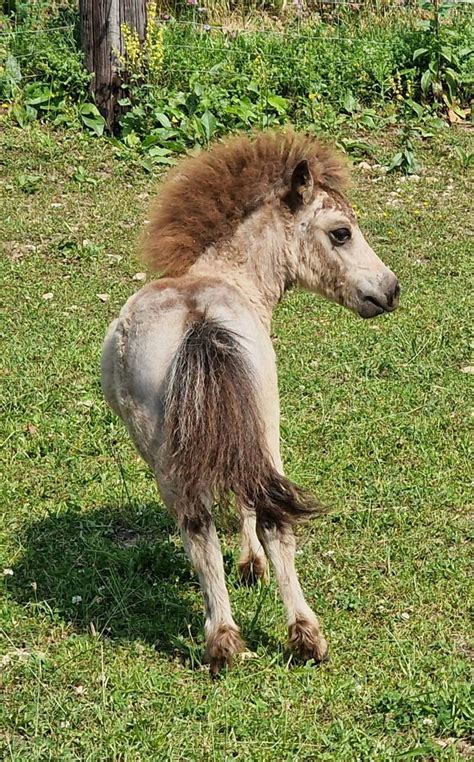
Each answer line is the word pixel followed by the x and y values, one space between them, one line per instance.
pixel 190 368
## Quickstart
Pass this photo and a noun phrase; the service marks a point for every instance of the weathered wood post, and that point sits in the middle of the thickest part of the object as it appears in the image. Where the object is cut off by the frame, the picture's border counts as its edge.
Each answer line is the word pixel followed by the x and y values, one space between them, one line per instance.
pixel 102 41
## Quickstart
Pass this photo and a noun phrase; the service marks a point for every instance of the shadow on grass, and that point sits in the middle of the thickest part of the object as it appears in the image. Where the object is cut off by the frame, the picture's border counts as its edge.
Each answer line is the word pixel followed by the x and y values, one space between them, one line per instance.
pixel 120 572
pixel 123 573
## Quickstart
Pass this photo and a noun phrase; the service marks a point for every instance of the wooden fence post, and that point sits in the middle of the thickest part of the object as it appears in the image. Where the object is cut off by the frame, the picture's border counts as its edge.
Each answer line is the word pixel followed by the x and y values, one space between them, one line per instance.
pixel 102 40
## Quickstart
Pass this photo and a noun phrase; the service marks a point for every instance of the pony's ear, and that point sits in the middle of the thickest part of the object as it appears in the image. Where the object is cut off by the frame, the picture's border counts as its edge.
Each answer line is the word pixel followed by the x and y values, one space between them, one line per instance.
pixel 302 183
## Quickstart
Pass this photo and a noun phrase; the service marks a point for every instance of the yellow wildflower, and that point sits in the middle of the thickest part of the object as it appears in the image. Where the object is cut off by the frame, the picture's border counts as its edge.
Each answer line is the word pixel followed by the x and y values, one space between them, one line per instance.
pixel 154 43
pixel 133 51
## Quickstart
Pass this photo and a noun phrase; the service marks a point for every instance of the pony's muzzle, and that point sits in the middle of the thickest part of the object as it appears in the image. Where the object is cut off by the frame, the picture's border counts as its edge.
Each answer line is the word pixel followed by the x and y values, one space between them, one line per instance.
pixel 385 299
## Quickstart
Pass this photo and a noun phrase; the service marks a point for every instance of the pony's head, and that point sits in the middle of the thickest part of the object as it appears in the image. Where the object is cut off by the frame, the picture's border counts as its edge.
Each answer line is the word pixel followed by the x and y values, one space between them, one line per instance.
pixel 296 184
pixel 330 254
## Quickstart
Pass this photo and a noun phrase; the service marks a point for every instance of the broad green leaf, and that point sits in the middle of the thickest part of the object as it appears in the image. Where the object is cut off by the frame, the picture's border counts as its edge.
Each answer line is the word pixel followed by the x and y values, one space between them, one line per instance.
pixel 396 161
pixel 90 109
pixel 417 108
pixel 446 53
pixel 31 112
pixel 42 96
pixel 419 52
pixel 159 151
pixel 151 140
pixel 95 124
pixel 19 112
pixel 436 123
pixel 209 122
pixel 162 119
pixel 131 140
pixel 92 118
pixel 168 160
pixel 12 70
pixel 349 103
pixel 426 80
pixel 367 121
pixel 147 164
pixel 278 103
pixel 357 147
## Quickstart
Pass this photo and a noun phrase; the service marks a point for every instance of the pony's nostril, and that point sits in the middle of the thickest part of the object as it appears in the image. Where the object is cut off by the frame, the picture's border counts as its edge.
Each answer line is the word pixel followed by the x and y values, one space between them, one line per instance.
pixel 392 294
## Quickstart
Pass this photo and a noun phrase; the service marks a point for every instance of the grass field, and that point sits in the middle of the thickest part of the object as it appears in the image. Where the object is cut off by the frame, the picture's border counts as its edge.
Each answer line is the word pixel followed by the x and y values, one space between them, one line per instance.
pixel 101 615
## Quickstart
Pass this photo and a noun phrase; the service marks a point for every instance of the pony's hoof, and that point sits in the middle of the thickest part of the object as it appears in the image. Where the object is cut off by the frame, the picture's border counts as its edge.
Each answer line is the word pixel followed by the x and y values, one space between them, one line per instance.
pixel 222 645
pixel 306 639
pixel 252 569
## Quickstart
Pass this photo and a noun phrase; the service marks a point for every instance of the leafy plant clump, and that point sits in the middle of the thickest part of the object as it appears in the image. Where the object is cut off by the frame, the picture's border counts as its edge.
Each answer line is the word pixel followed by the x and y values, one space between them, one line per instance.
pixel 443 64
pixel 42 74
pixel 188 83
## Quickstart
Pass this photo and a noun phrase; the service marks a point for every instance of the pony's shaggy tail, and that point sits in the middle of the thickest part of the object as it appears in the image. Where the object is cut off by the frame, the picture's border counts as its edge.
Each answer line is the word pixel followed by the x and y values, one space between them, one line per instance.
pixel 214 435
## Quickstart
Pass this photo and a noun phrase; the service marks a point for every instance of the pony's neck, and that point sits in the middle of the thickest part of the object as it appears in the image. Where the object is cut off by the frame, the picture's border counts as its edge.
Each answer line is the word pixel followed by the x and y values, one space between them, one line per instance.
pixel 256 260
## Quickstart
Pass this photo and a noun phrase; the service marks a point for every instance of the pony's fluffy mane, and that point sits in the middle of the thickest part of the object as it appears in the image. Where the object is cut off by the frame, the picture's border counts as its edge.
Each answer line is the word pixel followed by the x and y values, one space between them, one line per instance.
pixel 206 196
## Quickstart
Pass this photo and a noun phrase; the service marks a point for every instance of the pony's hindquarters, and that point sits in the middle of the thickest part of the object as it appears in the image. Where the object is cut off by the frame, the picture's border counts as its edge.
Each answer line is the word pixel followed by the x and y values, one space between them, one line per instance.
pixel 214 432
pixel 192 393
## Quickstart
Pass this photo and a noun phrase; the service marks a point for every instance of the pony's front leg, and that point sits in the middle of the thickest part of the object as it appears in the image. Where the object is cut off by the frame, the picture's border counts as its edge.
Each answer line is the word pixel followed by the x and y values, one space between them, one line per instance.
pixel 278 539
pixel 202 547
pixel 303 627
pixel 252 561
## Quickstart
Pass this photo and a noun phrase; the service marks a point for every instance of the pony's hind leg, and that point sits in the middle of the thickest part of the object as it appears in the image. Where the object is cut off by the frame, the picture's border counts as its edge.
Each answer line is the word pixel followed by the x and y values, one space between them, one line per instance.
pixel 303 627
pixel 202 547
pixel 252 561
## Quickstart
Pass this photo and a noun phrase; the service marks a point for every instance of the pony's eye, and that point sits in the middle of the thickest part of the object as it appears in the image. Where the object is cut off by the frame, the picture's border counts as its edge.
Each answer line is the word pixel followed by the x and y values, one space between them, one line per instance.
pixel 340 236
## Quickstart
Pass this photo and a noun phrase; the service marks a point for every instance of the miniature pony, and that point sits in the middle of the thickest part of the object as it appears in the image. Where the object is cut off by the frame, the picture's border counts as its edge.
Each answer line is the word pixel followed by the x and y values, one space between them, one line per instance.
pixel 189 364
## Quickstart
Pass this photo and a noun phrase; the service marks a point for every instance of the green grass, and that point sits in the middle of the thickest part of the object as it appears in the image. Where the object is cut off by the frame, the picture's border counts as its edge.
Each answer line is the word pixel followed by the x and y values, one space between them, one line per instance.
pixel 374 420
